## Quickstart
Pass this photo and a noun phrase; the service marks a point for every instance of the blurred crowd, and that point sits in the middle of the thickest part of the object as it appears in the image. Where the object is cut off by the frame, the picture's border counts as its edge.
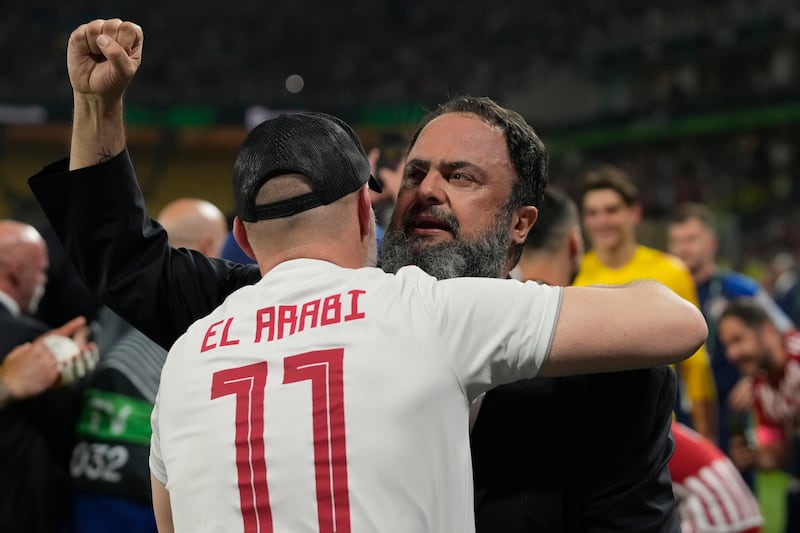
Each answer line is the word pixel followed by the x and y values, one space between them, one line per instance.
pixel 749 179
pixel 636 57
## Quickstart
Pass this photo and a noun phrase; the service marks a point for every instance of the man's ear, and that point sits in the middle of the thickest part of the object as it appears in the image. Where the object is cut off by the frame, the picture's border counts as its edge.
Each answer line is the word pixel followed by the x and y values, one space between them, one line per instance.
pixel 769 328
pixel 636 212
pixel 364 211
pixel 714 240
pixel 576 246
pixel 240 235
pixel 14 269
pixel 522 221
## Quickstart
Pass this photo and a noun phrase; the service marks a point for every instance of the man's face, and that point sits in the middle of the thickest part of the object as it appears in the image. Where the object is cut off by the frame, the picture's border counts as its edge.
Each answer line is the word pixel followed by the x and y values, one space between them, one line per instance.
pixel 693 242
pixel 607 219
pixel 450 218
pixel 744 346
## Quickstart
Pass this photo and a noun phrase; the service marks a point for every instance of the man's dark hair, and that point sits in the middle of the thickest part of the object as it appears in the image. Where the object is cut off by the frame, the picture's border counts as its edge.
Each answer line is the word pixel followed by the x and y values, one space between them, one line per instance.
pixel 690 210
pixel 557 215
pixel 610 177
pixel 748 311
pixel 525 149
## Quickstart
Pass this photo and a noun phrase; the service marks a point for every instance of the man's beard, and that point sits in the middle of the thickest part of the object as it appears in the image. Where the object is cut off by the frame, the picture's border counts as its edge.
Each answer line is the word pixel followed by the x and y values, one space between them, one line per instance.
pixel 484 256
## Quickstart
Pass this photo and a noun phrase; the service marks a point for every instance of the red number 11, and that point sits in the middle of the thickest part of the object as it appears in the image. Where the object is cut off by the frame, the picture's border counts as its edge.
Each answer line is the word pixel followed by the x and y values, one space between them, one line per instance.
pixel 324 369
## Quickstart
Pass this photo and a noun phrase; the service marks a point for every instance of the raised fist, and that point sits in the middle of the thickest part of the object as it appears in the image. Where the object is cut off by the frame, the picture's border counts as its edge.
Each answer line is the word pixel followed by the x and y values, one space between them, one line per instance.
pixel 103 56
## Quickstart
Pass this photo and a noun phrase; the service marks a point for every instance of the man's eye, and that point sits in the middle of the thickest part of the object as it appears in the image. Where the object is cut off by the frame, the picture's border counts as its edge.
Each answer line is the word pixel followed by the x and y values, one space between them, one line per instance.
pixel 459 176
pixel 414 176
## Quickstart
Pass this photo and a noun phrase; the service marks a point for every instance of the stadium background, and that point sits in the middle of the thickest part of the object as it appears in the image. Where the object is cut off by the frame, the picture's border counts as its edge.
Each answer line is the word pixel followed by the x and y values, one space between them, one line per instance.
pixel 698 100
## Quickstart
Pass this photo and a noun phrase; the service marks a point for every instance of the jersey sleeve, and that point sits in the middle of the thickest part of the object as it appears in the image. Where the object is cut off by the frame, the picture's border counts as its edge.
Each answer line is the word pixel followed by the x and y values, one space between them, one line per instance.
pixel 157 468
pixel 124 257
pixel 494 331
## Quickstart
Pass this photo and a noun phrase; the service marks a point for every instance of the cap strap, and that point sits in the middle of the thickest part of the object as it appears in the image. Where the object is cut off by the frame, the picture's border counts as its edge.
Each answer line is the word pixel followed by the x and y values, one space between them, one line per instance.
pixel 287 208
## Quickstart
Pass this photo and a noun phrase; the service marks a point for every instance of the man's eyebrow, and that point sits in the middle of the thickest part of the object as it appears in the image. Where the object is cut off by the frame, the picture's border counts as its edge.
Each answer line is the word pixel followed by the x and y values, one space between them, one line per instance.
pixel 417 163
pixel 457 165
pixel 448 165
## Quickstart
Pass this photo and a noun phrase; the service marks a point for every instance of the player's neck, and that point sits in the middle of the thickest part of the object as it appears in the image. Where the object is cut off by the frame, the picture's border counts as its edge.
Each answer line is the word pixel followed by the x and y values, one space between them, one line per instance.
pixel 342 255
pixel 618 256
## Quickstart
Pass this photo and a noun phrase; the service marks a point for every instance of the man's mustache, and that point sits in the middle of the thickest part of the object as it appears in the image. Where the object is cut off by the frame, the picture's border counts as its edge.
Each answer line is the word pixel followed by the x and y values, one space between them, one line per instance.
pixel 447 219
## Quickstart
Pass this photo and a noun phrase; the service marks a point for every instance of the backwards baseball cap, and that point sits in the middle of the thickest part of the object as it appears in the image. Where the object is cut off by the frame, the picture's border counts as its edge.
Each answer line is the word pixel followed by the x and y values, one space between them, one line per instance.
pixel 320 147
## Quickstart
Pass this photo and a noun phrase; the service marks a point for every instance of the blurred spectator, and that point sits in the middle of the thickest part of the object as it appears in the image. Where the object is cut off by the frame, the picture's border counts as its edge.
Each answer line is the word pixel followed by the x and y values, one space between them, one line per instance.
pixel 692 237
pixel 35 428
pixel 387 161
pixel 772 360
pixel 28 370
pixel 611 212
pixel 109 463
pixel 786 284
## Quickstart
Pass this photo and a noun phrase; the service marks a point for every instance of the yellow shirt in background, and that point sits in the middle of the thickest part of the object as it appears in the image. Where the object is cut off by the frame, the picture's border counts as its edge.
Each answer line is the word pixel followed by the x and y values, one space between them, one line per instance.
pixel 648 263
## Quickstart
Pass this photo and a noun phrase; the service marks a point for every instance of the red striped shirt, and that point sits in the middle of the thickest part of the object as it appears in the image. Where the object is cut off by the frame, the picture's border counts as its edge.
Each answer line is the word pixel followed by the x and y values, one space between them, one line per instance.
pixel 711 495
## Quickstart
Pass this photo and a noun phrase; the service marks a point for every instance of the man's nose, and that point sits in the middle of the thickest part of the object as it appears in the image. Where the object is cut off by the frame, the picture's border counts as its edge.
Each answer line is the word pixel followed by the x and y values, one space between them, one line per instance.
pixel 431 190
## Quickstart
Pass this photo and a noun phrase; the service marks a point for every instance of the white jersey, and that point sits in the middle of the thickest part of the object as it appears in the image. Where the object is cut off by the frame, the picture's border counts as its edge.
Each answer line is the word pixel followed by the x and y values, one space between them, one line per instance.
pixel 325 399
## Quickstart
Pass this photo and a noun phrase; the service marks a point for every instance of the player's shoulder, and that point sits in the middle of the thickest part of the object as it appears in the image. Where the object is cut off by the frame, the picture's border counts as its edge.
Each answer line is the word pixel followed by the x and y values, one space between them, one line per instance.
pixel 664 261
pixel 411 273
pixel 662 266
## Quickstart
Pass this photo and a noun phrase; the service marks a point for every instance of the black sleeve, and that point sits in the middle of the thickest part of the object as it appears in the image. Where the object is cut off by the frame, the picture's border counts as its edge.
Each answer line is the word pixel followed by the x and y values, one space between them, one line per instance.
pixel 123 255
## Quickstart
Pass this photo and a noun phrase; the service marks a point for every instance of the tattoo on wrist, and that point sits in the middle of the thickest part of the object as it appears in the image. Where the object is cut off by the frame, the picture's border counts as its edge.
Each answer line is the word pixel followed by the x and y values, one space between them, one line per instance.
pixel 105 155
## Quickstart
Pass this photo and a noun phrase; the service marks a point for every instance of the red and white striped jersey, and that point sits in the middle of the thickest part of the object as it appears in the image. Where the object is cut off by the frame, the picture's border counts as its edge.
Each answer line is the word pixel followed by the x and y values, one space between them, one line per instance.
pixel 711 494
pixel 325 399
pixel 777 398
